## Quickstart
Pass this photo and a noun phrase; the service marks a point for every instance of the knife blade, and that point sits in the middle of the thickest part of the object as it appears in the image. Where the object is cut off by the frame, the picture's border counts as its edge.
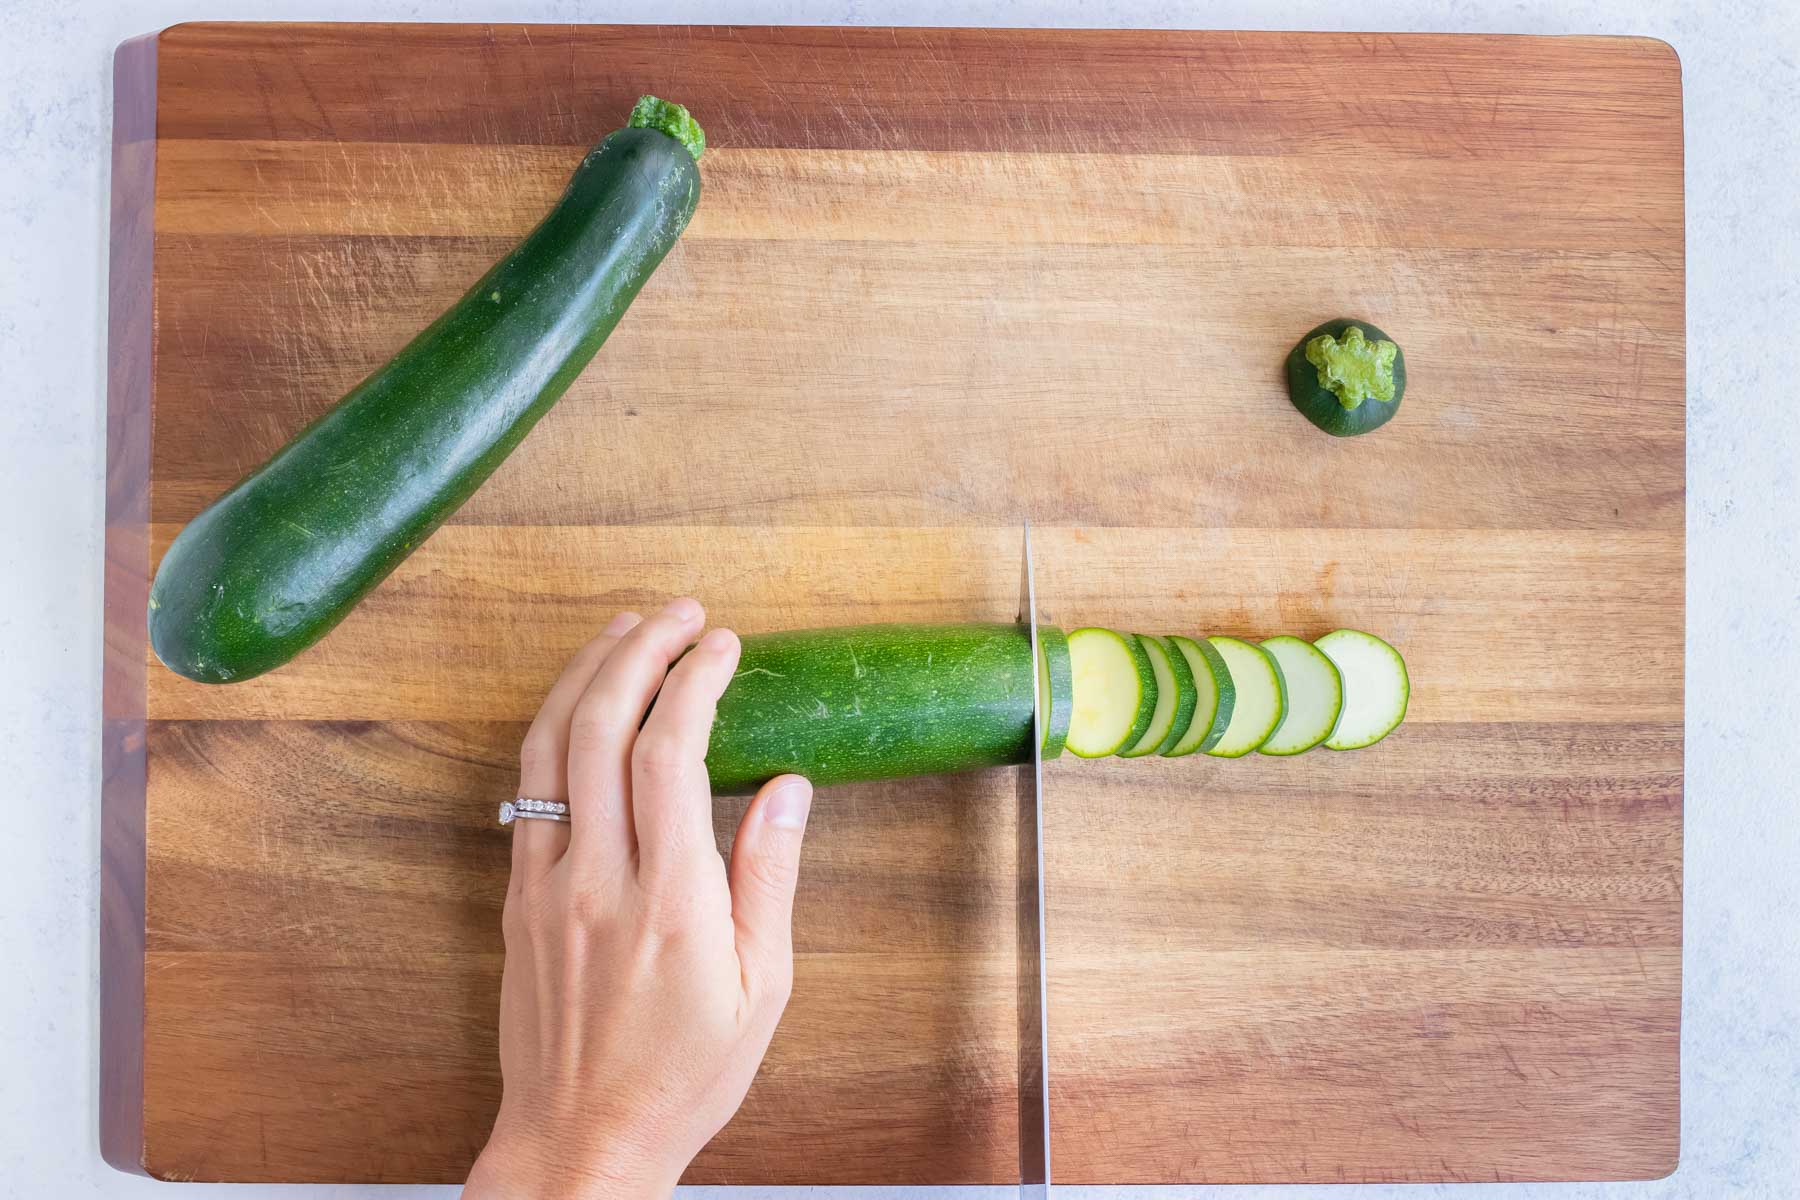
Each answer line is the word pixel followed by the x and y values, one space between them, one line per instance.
pixel 1033 997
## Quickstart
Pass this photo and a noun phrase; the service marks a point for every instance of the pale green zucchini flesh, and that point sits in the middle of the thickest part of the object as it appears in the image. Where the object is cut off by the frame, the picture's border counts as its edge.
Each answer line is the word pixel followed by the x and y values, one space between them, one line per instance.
pixel 1315 696
pixel 1261 698
pixel 1109 688
pixel 1376 688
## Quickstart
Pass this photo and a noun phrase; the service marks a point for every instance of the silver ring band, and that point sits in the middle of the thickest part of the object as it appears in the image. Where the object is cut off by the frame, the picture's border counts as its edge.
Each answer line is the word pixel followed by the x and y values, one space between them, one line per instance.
pixel 537 810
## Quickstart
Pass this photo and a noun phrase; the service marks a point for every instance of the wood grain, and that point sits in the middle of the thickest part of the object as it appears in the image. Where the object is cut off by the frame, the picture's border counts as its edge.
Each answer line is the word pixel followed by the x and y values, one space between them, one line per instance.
pixel 941 280
pixel 1498 625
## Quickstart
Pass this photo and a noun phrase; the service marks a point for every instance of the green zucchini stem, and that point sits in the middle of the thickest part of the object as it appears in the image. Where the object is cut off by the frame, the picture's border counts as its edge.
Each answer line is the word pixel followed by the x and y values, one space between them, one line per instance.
pixel 1354 369
pixel 672 119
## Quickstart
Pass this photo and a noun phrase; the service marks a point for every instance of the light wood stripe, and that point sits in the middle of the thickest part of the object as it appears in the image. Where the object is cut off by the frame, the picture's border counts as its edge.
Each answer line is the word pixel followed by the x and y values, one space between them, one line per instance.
pixel 828 383
pixel 1520 626
pixel 1337 201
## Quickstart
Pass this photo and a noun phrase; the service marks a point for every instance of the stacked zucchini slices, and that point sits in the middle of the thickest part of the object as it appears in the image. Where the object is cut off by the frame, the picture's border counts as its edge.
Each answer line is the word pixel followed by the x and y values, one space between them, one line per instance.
pixel 1140 694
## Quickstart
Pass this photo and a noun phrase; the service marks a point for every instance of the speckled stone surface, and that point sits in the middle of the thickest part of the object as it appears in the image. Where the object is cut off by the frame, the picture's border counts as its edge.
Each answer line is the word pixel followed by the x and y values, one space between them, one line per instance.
pixel 1741 62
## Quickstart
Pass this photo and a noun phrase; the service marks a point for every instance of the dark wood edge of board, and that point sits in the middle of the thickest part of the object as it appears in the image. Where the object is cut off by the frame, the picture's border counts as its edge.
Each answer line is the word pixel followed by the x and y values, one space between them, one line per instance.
pixel 130 313
pixel 937 101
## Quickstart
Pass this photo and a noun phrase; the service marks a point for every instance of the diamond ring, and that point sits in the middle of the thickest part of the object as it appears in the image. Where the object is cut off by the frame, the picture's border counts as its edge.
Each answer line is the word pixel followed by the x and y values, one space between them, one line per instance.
pixel 539 810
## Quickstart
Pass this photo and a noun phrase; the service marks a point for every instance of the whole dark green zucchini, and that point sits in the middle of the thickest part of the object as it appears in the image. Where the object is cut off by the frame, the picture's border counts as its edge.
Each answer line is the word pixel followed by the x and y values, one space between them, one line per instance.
pixel 273 564
pixel 874 702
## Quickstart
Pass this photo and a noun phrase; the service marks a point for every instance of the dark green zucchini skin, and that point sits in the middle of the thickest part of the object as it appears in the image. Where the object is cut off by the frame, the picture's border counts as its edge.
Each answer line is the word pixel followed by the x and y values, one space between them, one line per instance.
pixel 1187 697
pixel 871 702
pixel 1147 704
pixel 1317 403
pixel 273 564
pixel 1061 673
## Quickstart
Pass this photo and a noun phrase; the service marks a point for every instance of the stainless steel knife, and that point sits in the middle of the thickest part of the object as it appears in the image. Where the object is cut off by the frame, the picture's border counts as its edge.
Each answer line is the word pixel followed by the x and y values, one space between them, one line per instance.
pixel 1033 999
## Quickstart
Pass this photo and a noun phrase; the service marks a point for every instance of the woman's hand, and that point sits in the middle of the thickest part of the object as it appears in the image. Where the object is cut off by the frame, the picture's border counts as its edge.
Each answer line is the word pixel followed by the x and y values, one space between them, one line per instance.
pixel 643 977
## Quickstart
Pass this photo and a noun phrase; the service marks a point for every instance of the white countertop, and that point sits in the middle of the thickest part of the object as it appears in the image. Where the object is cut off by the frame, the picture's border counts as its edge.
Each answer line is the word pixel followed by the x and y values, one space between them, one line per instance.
pixel 1741 65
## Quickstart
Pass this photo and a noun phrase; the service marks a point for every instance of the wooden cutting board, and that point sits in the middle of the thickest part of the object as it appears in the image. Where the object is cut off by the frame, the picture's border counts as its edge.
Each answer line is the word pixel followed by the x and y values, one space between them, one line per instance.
pixel 940 280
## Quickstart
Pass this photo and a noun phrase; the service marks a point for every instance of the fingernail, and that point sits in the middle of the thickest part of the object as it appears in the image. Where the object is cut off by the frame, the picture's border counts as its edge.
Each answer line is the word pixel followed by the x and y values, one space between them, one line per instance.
pixel 684 608
pixel 718 641
pixel 621 624
pixel 786 807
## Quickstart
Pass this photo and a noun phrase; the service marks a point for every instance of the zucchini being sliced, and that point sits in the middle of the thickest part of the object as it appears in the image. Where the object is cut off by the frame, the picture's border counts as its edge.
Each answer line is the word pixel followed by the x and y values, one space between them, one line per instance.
pixel 1053 681
pixel 1168 699
pixel 1376 688
pixel 1113 687
pixel 1261 697
pixel 872 702
pixel 1187 696
pixel 1215 697
pixel 1315 696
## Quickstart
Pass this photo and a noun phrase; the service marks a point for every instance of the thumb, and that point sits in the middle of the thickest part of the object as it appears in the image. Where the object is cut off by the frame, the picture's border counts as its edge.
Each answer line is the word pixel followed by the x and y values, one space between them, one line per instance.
pixel 765 865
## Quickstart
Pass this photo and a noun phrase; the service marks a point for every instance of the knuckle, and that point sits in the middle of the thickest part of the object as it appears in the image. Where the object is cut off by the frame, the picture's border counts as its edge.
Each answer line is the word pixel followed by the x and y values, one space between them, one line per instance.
pixel 589 904
pixel 669 908
pixel 535 904
pixel 596 904
pixel 659 755
pixel 595 650
pixel 668 904
pixel 537 753
pixel 586 913
pixel 592 728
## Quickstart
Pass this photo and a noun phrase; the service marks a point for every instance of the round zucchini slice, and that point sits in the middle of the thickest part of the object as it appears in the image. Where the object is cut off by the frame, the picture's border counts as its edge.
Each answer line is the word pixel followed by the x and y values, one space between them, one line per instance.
pixel 1168 699
pixel 1113 689
pixel 1376 688
pixel 1261 697
pixel 1215 697
pixel 1315 696
pixel 1187 696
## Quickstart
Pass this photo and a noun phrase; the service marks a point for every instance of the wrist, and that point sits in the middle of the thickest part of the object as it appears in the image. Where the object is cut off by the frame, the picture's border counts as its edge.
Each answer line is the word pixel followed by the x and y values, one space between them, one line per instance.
pixel 529 1165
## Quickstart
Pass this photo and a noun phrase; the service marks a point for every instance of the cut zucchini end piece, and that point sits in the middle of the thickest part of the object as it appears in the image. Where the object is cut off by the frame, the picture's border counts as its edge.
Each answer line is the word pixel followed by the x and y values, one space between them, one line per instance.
pixel 1354 369
pixel 1315 696
pixel 665 116
pixel 1376 688
pixel 1346 377
pixel 1168 696
pixel 1261 699
pixel 1108 687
